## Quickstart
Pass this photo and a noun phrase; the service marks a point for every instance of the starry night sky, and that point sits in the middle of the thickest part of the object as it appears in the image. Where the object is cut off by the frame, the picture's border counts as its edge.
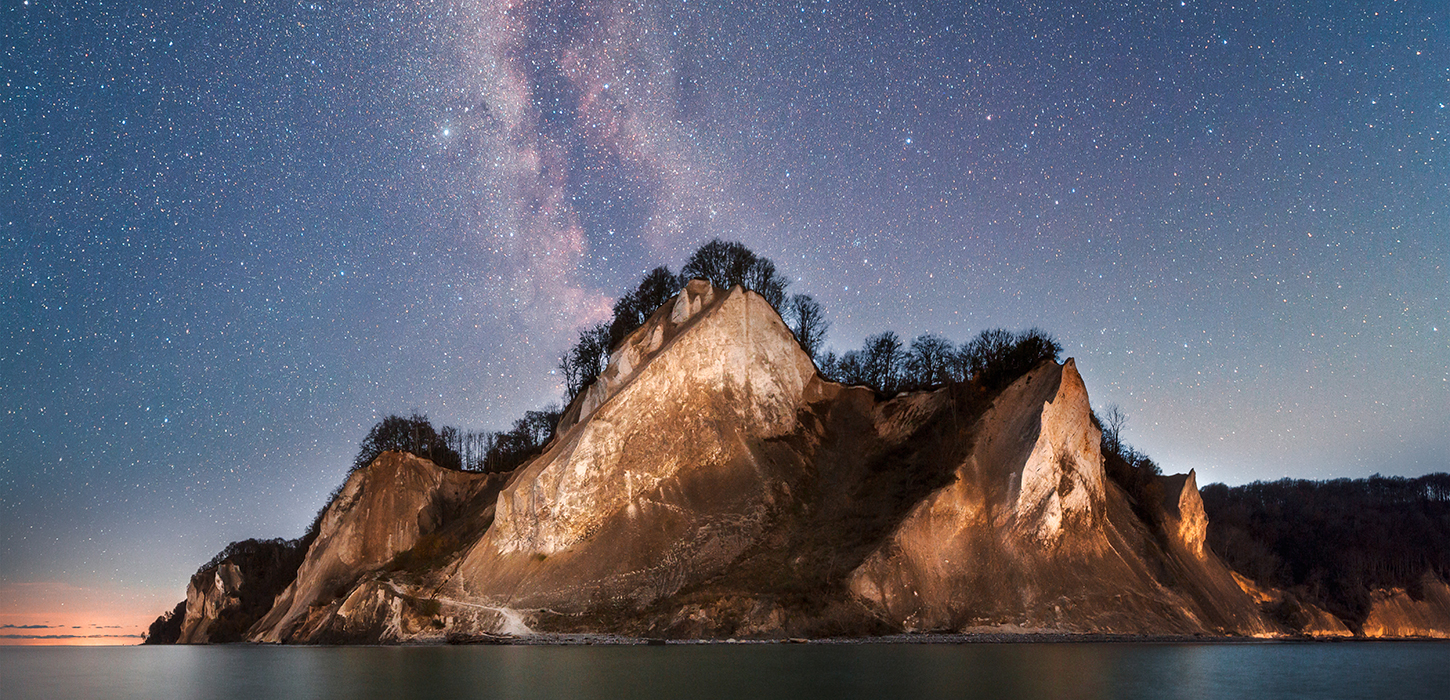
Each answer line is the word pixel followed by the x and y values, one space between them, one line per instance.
pixel 235 234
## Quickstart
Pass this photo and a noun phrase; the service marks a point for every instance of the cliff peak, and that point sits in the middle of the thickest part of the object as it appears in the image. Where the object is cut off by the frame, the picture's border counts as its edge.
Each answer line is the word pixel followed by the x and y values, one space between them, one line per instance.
pixel 683 397
pixel 1184 507
pixel 1063 484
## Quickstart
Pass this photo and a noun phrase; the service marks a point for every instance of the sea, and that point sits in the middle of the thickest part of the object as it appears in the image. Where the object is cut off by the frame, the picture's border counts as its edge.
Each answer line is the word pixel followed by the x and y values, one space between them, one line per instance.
pixel 1240 671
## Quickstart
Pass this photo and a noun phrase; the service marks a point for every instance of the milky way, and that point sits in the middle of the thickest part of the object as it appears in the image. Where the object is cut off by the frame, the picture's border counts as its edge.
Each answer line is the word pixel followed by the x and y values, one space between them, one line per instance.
pixel 233 235
pixel 566 122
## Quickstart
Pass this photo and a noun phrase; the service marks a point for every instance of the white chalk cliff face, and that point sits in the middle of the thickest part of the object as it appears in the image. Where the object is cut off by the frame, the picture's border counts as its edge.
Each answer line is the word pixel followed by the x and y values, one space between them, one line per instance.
pixel 712 484
pixel 1063 485
pixel 1183 507
pixel 654 480
pixel 382 511
pixel 682 390
pixel 209 595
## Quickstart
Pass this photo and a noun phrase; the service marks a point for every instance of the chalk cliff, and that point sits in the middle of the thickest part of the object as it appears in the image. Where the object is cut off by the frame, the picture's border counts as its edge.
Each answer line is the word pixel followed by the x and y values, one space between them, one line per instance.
pixel 210 595
pixel 392 506
pixel 711 483
pixel 1397 613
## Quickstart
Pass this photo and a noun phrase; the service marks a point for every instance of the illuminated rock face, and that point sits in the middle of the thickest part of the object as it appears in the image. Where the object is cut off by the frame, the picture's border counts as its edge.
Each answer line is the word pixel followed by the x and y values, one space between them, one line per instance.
pixel 1029 535
pixel 1395 613
pixel 209 595
pixel 710 484
pixel 683 392
pixel 1062 486
pixel 657 477
pixel 1183 507
pixel 382 511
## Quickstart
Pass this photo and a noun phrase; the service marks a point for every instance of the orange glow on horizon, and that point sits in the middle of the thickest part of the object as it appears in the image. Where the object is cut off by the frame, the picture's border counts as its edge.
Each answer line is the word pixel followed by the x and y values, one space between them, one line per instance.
pixel 51 613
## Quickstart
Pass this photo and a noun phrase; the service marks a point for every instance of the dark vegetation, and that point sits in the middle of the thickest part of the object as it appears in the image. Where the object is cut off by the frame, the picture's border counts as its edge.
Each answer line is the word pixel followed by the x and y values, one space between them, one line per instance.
pixel 993 359
pixel 1130 469
pixel 451 448
pixel 1331 543
pixel 267 567
pixel 727 264
pixel 412 434
pixel 166 629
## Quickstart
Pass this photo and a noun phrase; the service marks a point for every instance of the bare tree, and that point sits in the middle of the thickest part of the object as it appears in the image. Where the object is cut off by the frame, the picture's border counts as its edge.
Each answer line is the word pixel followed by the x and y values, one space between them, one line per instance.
pixel 850 368
pixel 633 309
pixel 996 357
pixel 807 320
pixel 585 361
pixel 412 434
pixel 727 263
pixel 1113 420
pixel 931 362
pixel 882 358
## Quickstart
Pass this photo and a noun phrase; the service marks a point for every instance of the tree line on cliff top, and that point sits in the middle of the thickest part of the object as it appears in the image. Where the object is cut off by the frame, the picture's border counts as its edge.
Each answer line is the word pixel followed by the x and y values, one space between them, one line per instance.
pixel 885 363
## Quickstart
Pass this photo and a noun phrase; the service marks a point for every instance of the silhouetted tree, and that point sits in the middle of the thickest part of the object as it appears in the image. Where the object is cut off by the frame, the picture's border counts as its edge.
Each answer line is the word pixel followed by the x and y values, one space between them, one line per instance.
pixel 850 368
pixel 883 360
pixel 994 359
pixel 633 309
pixel 167 628
pixel 997 357
pixel 807 320
pixel 726 264
pixel 585 361
pixel 413 434
pixel 980 355
pixel 506 449
pixel 931 361
pixel 1113 422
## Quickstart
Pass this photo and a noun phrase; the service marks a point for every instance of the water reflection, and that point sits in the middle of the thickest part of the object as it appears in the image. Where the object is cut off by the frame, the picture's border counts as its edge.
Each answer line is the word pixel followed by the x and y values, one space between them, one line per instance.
pixel 757 672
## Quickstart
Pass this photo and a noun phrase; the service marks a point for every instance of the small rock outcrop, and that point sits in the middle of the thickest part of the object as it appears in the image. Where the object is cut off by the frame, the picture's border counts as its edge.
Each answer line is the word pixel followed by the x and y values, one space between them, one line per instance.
pixel 1294 615
pixel 210 595
pixel 1397 613
pixel 1183 507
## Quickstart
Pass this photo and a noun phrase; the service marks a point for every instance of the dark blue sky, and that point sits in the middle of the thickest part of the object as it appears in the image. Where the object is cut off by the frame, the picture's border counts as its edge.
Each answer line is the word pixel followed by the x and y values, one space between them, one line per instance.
pixel 235 234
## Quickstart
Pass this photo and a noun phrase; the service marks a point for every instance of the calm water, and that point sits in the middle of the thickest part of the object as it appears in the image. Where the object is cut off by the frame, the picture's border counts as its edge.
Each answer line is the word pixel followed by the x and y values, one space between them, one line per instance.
pixel 757 672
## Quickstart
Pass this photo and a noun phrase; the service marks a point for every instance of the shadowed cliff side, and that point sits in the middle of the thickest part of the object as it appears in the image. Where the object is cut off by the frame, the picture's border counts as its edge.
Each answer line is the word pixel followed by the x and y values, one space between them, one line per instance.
pixel 1030 535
